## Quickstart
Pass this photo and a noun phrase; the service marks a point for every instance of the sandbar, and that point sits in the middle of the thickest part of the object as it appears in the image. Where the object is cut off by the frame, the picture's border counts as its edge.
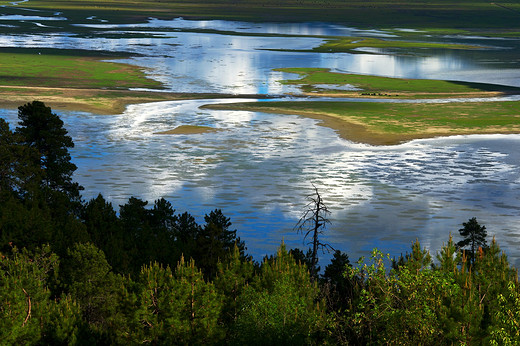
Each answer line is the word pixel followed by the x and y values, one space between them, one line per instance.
pixel 188 130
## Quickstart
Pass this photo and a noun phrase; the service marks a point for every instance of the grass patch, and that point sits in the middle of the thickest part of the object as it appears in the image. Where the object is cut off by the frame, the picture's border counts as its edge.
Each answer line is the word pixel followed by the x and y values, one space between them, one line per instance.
pixel 392 123
pixel 352 44
pixel 348 44
pixel 69 71
pixel 385 86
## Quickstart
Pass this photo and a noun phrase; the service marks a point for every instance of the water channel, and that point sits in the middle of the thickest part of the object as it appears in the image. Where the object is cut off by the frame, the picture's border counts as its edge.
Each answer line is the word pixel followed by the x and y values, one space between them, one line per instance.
pixel 259 167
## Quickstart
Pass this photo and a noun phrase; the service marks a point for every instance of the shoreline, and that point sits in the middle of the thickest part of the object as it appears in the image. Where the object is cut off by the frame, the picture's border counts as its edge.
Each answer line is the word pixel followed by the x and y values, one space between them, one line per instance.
pixel 111 102
pixel 358 132
pixel 98 101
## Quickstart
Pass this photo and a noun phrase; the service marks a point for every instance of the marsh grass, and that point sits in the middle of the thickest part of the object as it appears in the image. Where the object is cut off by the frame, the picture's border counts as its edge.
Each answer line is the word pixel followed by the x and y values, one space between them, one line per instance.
pixel 348 44
pixel 353 44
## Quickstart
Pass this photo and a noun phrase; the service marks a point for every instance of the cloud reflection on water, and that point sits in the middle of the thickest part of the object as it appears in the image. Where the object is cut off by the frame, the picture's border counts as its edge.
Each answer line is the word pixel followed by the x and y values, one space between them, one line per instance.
pixel 209 62
pixel 260 168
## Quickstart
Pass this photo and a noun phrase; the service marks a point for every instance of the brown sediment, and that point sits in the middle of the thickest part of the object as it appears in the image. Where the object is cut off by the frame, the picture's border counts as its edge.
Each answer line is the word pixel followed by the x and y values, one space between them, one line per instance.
pixel 88 100
pixel 357 132
pixel 106 101
pixel 188 130
pixel 99 101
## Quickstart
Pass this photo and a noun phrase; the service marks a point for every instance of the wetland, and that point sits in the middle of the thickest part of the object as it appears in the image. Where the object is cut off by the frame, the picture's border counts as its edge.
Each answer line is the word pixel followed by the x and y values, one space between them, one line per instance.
pixel 259 166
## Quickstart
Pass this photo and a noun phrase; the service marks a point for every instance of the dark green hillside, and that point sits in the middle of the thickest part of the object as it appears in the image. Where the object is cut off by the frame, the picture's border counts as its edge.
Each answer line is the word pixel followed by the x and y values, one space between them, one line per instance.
pixel 372 13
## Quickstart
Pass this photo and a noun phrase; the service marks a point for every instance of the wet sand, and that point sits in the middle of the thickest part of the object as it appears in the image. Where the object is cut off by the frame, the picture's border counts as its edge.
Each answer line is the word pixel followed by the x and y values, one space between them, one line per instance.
pixel 188 130
pixel 99 101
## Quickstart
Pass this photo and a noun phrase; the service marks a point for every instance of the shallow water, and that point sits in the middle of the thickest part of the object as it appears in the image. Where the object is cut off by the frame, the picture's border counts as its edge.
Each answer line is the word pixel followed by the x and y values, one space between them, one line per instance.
pixel 190 61
pixel 261 167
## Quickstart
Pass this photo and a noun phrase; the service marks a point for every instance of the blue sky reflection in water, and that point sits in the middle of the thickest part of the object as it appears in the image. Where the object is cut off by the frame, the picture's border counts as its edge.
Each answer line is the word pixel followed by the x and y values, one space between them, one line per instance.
pixel 211 62
pixel 260 167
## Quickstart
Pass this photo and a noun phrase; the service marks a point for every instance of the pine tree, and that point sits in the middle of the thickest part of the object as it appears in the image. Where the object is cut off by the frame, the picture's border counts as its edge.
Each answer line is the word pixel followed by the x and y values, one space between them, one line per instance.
pixel 18 172
pixel 201 305
pixel 38 171
pixel 162 222
pixel 506 330
pixel 281 306
pixel 215 241
pixel 176 307
pixel 340 287
pixel 28 313
pixel 86 276
pixel 24 220
pixel 186 231
pixel 474 236
pixel 135 222
pixel 43 130
pixel 448 257
pixel 232 278
pixel 303 257
pixel 105 231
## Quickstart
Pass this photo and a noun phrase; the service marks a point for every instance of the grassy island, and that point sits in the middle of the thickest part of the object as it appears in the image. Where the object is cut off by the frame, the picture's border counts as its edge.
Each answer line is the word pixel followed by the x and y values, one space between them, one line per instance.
pixel 72 69
pixel 393 123
pixel 323 82
pixel 351 44
pixel 71 78
pixel 188 130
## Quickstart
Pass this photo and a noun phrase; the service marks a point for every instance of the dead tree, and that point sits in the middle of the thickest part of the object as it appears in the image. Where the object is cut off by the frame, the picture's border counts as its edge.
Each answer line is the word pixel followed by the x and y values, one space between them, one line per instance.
pixel 313 222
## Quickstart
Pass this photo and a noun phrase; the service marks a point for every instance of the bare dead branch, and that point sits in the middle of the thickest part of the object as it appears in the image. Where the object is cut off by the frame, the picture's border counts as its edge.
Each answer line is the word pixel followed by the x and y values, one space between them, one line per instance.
pixel 28 307
pixel 312 222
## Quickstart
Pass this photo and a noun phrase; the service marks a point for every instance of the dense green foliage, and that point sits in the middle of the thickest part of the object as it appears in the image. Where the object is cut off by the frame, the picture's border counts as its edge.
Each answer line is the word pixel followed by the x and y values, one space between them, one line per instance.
pixel 79 273
pixel 474 237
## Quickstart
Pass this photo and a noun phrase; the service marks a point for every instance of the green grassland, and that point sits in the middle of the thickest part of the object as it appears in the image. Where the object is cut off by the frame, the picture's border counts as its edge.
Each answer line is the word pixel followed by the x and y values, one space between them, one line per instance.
pixel 78 80
pixel 392 123
pixel 348 44
pixel 420 14
pixel 72 79
pixel 69 71
pixel 385 86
